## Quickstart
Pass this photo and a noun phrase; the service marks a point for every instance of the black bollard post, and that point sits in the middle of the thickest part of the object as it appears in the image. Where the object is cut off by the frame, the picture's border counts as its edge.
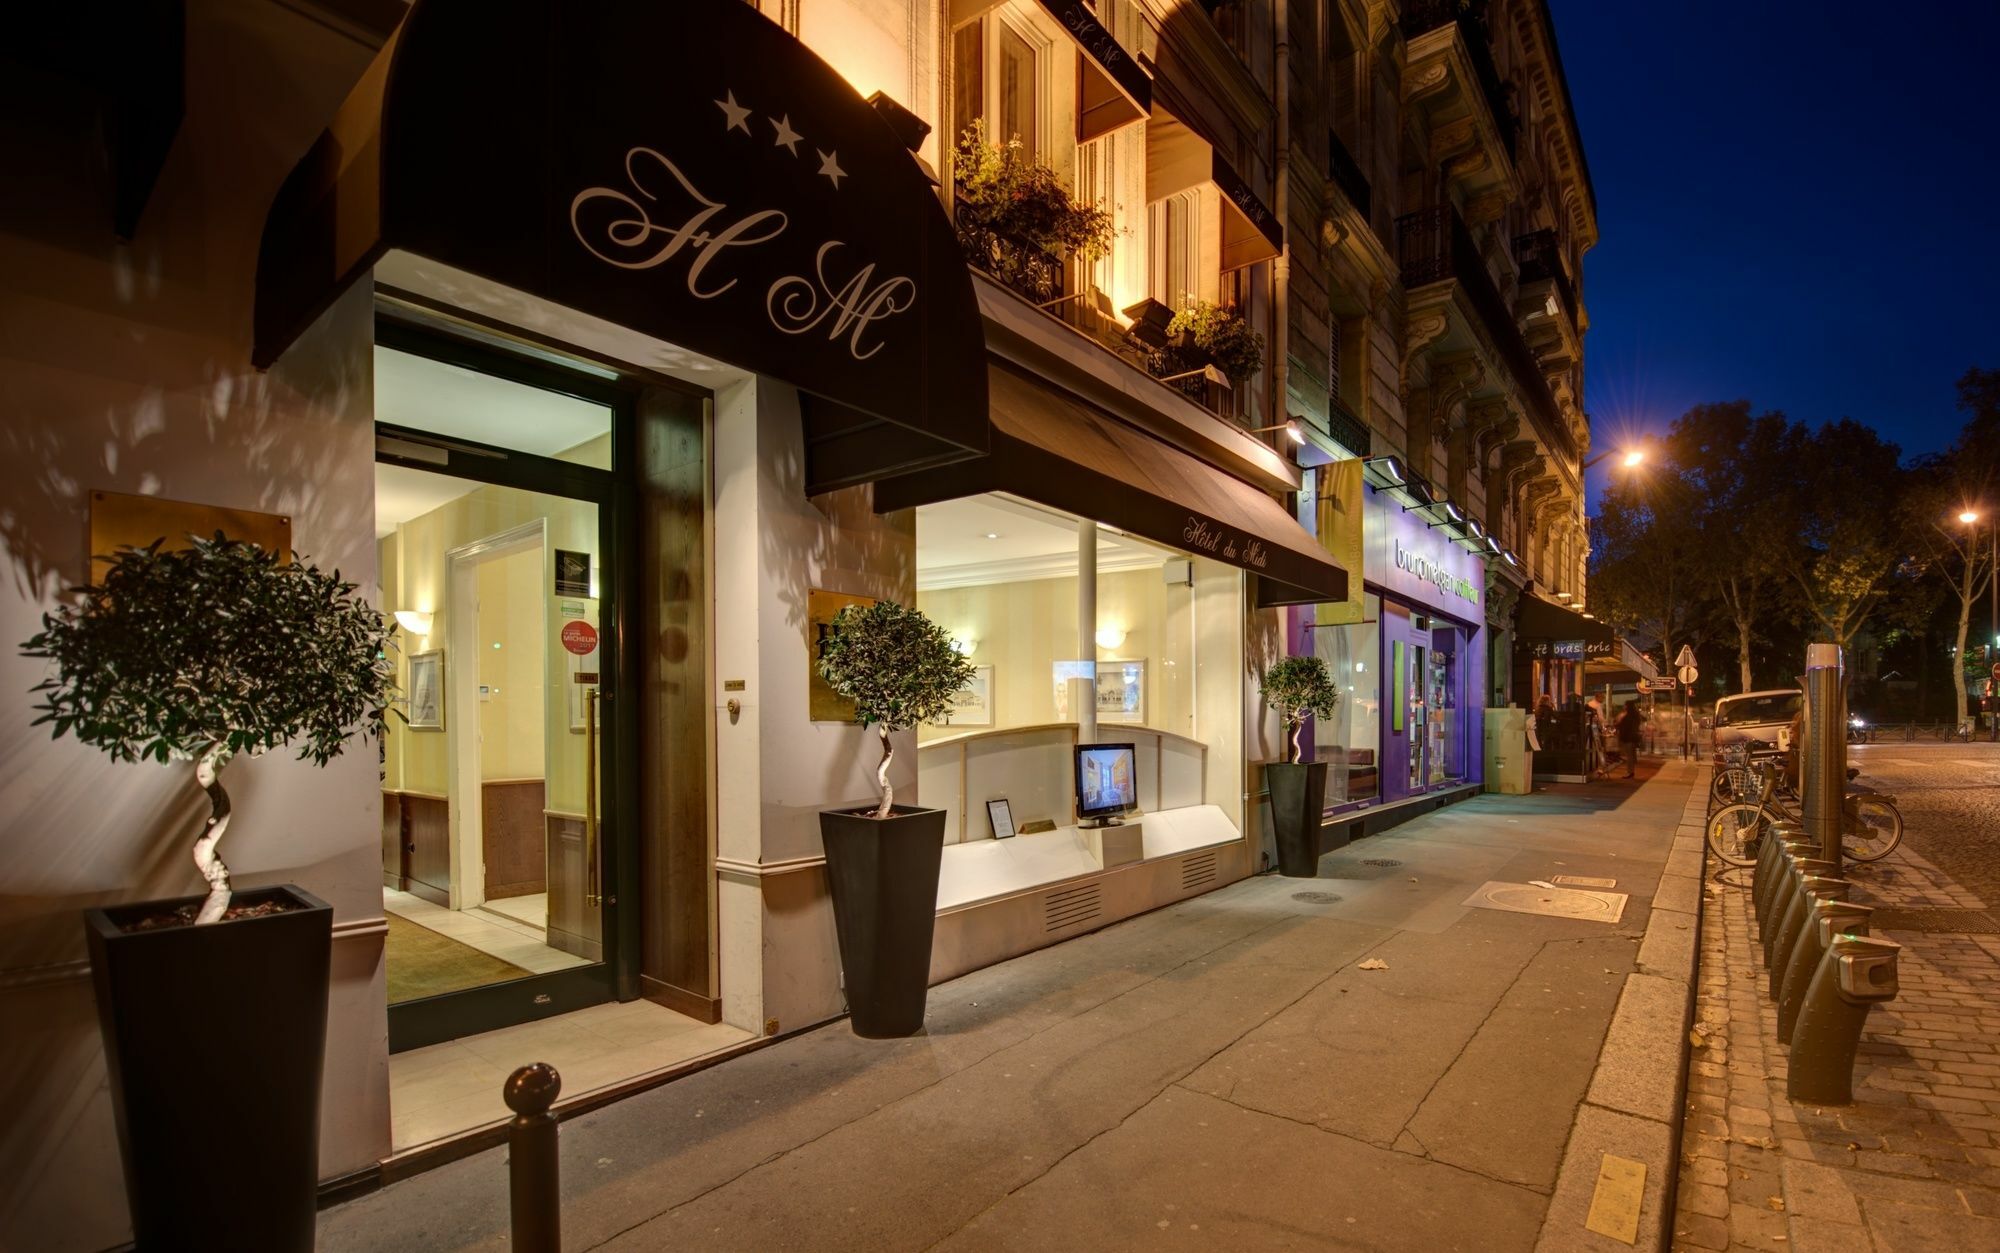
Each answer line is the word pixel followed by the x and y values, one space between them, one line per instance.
pixel 1830 919
pixel 533 1165
pixel 1815 888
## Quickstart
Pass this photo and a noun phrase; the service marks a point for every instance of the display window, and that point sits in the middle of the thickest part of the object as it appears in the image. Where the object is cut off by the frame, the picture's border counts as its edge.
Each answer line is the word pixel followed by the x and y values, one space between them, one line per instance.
pixel 1002 577
pixel 1350 741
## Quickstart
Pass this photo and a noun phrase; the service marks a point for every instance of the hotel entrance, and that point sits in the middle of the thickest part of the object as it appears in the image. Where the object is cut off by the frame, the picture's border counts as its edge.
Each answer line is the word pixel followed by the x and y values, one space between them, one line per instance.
pixel 502 782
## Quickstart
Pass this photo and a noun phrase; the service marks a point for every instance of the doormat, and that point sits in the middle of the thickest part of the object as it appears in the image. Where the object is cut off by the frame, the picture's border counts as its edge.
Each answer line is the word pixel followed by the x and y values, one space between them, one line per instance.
pixel 1582 881
pixel 422 962
pixel 1549 901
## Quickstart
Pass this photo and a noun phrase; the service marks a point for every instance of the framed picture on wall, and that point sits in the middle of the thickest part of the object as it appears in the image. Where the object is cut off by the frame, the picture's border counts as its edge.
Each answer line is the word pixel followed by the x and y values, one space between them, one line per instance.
pixel 1121 690
pixel 972 705
pixel 426 708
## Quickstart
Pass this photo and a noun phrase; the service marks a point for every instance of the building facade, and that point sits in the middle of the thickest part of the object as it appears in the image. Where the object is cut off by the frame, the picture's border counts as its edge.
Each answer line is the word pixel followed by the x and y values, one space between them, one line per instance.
pixel 636 389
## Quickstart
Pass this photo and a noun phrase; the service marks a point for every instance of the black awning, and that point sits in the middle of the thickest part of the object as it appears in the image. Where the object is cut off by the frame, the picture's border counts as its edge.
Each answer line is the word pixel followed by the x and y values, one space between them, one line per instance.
pixel 1546 630
pixel 1112 90
pixel 1178 157
pixel 686 170
pixel 1060 453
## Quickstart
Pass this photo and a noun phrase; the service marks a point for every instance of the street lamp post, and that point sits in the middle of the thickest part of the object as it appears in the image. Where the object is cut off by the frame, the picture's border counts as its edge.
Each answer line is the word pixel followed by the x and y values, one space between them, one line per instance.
pixel 1971 518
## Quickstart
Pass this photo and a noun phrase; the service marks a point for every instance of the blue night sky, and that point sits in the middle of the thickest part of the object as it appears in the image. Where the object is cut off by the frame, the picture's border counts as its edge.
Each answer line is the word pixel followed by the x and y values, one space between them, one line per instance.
pixel 1797 206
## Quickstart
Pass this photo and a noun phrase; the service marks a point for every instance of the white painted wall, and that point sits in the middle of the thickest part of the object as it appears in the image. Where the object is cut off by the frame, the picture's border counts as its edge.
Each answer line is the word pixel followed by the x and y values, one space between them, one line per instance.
pixel 126 367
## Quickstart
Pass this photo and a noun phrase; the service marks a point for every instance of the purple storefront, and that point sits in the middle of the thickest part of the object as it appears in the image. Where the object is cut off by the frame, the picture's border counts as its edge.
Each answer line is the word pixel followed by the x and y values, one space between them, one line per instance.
pixel 1410 660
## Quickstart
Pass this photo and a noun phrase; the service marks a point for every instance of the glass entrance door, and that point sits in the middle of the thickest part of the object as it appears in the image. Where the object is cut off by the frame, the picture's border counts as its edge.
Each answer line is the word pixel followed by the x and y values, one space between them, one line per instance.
pixel 502 791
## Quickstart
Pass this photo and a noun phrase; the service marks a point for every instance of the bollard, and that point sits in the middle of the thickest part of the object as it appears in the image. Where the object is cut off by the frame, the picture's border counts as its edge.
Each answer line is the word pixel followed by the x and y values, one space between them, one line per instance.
pixel 533 1164
pixel 1857 972
pixel 1781 898
pixel 1829 918
pixel 1823 754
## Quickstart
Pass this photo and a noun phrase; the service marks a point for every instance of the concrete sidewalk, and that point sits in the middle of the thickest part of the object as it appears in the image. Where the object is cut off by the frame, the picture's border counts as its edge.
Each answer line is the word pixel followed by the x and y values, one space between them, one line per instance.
pixel 1218 1074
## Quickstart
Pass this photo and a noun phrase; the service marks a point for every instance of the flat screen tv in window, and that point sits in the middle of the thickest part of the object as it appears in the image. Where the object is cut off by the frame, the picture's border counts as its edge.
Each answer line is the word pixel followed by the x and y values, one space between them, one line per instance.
pixel 1107 782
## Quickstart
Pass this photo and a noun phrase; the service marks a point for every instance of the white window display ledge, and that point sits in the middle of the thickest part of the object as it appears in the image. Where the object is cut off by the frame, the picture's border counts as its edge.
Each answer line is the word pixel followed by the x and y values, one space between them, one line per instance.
pixel 985 870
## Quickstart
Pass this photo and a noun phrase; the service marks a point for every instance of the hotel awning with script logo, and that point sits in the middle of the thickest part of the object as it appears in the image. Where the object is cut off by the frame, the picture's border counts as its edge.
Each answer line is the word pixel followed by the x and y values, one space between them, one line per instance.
pixel 686 170
pixel 1178 158
pixel 1058 452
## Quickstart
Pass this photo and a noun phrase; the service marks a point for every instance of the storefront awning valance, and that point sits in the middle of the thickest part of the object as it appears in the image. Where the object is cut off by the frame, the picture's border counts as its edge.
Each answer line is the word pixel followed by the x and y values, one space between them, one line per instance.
pixel 1546 631
pixel 685 170
pixel 1177 159
pixel 1060 453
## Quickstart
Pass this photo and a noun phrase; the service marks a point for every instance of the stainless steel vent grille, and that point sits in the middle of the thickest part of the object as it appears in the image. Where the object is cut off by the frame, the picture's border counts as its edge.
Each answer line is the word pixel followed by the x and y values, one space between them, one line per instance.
pixel 1197 871
pixel 1073 907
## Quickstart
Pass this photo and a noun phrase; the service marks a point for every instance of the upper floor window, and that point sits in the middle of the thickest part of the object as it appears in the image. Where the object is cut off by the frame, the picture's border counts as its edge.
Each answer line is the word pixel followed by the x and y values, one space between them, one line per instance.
pixel 1173 249
pixel 1000 72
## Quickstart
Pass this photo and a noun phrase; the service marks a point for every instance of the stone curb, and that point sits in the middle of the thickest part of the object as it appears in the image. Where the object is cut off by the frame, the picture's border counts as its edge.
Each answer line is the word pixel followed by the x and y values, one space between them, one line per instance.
pixel 1633 1108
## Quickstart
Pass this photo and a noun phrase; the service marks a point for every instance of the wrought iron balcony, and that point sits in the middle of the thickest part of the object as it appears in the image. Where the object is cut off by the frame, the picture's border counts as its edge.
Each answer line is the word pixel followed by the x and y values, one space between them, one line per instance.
pixel 1347 175
pixel 1539 259
pixel 1420 17
pixel 1433 246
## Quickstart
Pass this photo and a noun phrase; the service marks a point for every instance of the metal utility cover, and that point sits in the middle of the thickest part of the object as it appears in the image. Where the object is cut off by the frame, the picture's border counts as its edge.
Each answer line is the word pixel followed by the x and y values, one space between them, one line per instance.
pixel 1526 898
pixel 1582 881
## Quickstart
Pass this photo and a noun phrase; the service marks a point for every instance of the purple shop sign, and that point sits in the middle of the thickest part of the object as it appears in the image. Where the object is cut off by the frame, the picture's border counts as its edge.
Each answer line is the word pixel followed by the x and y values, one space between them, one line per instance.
pixel 1419 563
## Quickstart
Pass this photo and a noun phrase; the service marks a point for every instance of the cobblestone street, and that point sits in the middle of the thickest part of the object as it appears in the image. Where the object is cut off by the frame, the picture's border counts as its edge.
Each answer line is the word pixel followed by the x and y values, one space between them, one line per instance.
pixel 1914 1163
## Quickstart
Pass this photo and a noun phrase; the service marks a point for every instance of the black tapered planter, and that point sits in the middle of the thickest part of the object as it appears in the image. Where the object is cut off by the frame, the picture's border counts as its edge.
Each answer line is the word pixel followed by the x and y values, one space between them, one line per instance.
pixel 1298 797
pixel 883 873
pixel 214 1038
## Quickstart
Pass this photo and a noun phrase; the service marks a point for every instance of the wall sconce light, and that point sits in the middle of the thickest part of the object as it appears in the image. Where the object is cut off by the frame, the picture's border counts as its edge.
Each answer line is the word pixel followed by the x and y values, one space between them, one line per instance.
pixel 1207 373
pixel 965 645
pixel 415 621
pixel 1110 636
pixel 1294 430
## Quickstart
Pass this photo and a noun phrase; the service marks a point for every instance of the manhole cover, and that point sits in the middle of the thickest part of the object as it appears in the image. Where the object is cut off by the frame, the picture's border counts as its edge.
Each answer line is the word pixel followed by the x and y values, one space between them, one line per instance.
pixel 1380 861
pixel 1316 898
pixel 1552 902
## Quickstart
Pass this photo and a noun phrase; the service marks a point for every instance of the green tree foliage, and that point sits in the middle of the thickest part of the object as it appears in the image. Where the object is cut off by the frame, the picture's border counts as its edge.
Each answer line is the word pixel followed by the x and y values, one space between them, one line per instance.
pixel 899 669
pixel 1645 553
pixel 1843 495
pixel 1301 688
pixel 218 646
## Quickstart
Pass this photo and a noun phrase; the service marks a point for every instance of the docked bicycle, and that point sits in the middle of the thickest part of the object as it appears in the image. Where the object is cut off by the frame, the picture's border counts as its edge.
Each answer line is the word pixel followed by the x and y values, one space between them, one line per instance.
pixel 1870 828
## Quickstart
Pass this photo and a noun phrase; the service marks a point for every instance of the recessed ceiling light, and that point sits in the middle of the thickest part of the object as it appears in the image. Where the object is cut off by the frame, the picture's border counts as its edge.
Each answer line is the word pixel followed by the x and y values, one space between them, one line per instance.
pixel 993 535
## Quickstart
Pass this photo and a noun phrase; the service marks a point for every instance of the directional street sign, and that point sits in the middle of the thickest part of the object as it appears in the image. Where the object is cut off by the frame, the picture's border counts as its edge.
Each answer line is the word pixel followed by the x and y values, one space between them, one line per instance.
pixel 1688 673
pixel 1662 684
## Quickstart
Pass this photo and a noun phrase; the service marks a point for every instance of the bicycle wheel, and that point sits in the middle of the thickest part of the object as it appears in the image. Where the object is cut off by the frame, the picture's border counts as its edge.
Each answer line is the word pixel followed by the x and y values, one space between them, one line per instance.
pixel 1874 828
pixel 1733 832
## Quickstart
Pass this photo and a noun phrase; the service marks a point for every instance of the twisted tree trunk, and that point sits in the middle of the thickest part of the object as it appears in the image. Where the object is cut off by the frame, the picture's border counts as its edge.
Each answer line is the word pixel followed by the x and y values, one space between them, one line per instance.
pixel 1298 729
pixel 206 768
pixel 882 772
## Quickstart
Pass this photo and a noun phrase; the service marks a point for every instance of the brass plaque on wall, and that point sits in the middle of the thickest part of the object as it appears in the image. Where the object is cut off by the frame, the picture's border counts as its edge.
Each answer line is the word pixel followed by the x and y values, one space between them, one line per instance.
pixel 118 520
pixel 823 704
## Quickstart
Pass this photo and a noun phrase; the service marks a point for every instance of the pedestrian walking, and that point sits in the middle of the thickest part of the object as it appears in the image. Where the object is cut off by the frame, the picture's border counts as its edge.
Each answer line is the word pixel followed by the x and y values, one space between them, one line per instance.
pixel 1630 725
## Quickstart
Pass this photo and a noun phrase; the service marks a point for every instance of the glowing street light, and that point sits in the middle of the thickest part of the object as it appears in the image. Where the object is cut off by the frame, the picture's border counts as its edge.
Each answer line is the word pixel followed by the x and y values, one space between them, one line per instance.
pixel 1969 516
pixel 1634 457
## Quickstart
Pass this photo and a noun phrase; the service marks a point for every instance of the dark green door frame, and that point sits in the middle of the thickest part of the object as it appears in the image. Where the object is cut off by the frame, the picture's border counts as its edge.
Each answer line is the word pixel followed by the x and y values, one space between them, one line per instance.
pixel 431 1020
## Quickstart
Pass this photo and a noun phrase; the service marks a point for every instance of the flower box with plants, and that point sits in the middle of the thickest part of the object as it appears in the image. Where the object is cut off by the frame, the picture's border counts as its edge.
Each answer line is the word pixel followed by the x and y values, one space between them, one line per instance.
pixel 213 1007
pixel 1016 220
pixel 1301 688
pixel 900 670
pixel 1204 333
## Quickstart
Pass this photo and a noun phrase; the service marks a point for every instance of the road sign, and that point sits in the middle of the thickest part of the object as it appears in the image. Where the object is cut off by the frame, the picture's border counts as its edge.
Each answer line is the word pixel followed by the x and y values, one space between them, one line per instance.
pixel 1996 669
pixel 1689 674
pixel 1685 658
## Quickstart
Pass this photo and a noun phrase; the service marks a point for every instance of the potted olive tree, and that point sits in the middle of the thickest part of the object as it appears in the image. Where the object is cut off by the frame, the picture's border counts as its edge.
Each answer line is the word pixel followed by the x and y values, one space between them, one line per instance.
pixel 213 1007
pixel 1301 688
pixel 899 669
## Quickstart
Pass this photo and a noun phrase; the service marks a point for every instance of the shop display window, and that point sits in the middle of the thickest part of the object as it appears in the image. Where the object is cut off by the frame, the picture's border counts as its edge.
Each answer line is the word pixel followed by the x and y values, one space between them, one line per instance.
pixel 1000 575
pixel 1351 740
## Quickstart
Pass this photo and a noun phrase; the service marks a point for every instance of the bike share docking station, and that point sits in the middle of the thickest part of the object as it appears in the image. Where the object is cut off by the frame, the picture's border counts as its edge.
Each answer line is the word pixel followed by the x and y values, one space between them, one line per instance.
pixel 1824 970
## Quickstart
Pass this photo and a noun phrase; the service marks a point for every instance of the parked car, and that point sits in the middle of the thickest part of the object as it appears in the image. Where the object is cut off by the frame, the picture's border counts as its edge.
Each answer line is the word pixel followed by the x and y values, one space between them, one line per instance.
pixel 1765 716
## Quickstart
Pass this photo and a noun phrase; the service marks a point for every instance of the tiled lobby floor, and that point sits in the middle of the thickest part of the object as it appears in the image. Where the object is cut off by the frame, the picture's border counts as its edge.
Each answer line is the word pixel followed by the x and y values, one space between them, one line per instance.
pixel 509 939
pixel 450 1088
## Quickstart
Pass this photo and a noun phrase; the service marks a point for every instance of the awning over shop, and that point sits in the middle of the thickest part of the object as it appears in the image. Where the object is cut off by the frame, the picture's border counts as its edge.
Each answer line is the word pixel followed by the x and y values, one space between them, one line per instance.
pixel 1178 159
pixel 1547 631
pixel 686 170
pixel 1062 454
